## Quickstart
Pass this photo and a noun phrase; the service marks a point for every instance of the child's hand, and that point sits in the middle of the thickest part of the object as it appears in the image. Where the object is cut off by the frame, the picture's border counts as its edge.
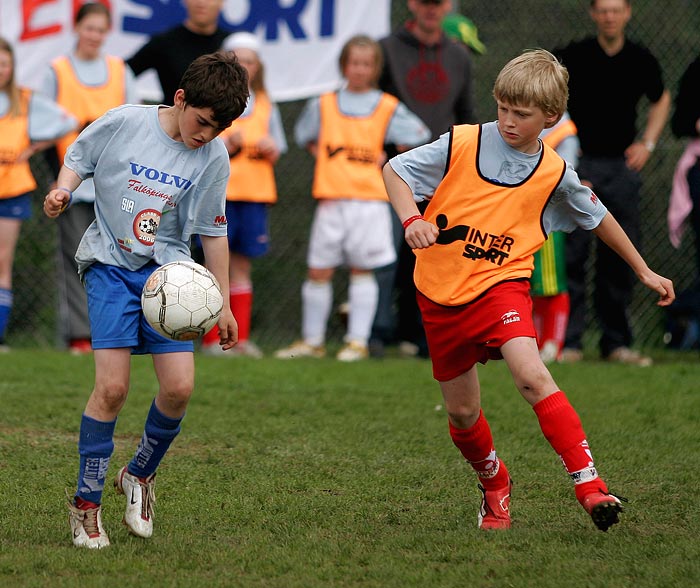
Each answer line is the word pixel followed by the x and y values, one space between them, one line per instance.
pixel 421 234
pixel 268 147
pixel 56 202
pixel 659 284
pixel 228 329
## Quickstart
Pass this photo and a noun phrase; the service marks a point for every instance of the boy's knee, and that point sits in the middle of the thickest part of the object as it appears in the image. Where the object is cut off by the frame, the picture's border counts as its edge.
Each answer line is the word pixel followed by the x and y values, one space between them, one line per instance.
pixel 175 397
pixel 112 396
pixel 463 417
pixel 534 382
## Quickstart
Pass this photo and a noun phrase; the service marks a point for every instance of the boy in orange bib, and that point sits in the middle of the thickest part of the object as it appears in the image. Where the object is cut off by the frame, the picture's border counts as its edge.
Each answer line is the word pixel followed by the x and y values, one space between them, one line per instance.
pixel 495 191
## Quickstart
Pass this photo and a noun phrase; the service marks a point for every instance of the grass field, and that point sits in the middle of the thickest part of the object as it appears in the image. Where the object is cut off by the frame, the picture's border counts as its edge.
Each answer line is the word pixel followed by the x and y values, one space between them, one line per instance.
pixel 314 474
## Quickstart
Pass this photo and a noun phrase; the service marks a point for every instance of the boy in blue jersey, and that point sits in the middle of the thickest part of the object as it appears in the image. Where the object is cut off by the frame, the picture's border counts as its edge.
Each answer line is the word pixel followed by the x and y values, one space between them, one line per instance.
pixel 160 176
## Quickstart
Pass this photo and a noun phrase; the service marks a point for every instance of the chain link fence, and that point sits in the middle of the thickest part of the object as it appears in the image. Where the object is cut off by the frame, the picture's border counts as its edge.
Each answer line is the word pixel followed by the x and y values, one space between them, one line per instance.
pixel 669 29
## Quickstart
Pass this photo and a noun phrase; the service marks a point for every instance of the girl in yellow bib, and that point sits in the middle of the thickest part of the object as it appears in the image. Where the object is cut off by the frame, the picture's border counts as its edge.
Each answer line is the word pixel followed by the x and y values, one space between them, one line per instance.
pixel 346 131
pixel 255 142
pixel 29 123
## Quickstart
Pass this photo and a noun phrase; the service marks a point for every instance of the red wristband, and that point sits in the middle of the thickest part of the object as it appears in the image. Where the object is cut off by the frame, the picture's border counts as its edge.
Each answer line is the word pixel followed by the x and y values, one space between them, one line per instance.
pixel 411 219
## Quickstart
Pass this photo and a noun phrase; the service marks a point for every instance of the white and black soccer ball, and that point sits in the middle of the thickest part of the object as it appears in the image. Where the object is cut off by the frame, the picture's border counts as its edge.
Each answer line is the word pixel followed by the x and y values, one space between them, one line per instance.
pixel 182 300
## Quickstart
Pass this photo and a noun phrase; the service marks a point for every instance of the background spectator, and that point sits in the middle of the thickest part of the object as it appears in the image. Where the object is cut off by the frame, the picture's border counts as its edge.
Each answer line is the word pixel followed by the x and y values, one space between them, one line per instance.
pixel 683 321
pixel 346 131
pixel 169 53
pixel 254 142
pixel 86 83
pixel 609 75
pixel 548 287
pixel 432 75
pixel 29 123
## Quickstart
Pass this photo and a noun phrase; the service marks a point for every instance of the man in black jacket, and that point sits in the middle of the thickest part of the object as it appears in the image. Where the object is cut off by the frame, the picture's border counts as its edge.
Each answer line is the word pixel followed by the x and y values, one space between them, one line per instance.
pixel 608 76
pixel 170 53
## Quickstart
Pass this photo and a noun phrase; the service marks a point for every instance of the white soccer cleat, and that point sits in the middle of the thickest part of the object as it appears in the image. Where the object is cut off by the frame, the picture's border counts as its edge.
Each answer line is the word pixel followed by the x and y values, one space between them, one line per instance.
pixel 140 497
pixel 86 527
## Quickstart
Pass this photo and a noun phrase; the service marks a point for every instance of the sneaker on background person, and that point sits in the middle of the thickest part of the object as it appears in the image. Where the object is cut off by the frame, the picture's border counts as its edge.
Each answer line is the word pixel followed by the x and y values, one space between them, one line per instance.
pixel 629 356
pixel 80 346
pixel 140 499
pixel 570 355
pixel 353 351
pixel 301 349
pixel 241 349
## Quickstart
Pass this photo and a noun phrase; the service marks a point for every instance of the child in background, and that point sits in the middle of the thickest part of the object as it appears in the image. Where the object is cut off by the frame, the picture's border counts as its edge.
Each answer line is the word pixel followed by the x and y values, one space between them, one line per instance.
pixel 346 131
pixel 160 176
pixel 254 142
pixel 29 123
pixel 87 84
pixel 495 192
pixel 550 299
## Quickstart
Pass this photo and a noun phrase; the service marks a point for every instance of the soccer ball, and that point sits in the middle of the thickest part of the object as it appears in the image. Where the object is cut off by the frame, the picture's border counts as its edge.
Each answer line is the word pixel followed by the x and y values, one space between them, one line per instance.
pixel 182 300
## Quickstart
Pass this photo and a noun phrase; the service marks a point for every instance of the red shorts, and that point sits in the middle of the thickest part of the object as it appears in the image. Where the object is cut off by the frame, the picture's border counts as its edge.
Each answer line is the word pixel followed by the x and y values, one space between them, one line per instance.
pixel 459 336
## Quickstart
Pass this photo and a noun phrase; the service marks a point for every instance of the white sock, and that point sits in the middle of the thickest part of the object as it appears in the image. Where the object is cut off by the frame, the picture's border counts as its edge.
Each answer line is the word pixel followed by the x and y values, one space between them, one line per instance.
pixel 316 302
pixel 363 294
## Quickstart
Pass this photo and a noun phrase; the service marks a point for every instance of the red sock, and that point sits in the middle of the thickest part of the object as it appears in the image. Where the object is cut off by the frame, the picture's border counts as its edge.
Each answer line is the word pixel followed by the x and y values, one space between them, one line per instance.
pixel 551 315
pixel 83 504
pixel 562 427
pixel 212 337
pixel 241 297
pixel 476 445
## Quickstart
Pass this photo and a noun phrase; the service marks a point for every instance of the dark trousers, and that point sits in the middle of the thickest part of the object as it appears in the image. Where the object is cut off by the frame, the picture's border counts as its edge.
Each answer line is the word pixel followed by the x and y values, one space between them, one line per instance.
pixel 398 317
pixel 618 188
pixel 694 186
pixel 74 321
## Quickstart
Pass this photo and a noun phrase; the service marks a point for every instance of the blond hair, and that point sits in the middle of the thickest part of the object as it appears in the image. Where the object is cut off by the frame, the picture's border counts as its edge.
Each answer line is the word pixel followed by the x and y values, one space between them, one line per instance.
pixel 534 78
pixel 11 87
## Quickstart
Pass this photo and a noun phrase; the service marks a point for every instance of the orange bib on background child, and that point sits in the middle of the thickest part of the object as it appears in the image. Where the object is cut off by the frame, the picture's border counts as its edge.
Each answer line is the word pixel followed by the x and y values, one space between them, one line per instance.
pixel 350 151
pixel 15 178
pixel 252 176
pixel 87 103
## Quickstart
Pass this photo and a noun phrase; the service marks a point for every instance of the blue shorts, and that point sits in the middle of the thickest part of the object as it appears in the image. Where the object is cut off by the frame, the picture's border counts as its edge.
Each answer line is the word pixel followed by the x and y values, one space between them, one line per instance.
pixel 114 307
pixel 247 228
pixel 17 207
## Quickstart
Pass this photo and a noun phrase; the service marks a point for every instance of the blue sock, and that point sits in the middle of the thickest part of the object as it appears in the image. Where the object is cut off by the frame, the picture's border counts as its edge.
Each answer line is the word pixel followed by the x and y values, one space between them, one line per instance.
pixel 5 306
pixel 95 447
pixel 158 434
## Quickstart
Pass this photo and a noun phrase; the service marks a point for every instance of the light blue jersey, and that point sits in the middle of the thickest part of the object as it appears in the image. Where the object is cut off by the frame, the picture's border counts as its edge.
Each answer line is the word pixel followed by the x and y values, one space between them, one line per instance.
pixel 152 193
pixel 572 205
pixel 405 128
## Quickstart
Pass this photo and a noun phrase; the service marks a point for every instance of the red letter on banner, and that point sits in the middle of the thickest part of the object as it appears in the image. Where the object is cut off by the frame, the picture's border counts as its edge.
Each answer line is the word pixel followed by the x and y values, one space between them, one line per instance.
pixel 29 7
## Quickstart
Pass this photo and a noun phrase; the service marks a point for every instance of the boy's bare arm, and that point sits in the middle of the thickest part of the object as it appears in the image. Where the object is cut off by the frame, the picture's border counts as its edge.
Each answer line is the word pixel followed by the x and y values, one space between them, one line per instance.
pixel 419 233
pixel 58 199
pixel 217 260
pixel 611 233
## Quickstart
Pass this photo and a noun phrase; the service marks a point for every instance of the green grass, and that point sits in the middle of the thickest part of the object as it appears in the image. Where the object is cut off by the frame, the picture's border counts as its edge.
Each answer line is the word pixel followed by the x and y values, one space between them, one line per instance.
pixel 313 473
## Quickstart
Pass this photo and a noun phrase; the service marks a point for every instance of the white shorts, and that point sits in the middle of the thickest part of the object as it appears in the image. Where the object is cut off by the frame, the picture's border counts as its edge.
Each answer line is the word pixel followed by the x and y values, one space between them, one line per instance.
pixel 355 233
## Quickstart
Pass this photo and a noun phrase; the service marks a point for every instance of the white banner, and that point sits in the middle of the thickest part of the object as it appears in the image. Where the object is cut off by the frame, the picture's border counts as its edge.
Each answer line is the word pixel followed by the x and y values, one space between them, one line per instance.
pixel 301 39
